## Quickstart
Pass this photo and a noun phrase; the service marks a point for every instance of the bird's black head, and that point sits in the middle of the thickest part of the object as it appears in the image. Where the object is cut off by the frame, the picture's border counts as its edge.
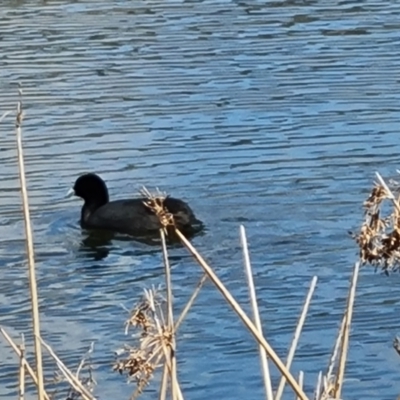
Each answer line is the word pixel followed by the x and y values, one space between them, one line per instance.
pixel 92 189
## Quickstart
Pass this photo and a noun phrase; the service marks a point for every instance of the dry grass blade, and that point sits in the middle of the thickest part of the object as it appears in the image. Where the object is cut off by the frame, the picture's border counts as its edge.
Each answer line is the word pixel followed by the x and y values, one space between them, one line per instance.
pixel 256 315
pixel 328 389
pixel 318 388
pixel 5 115
pixel 30 251
pixel 190 302
pixel 18 352
pixel 336 348
pixel 168 283
pixel 296 336
pixel 332 362
pixel 22 370
pixel 89 381
pixel 388 191
pixel 346 333
pixel 301 381
pixel 69 376
pixel 245 319
pixel 84 359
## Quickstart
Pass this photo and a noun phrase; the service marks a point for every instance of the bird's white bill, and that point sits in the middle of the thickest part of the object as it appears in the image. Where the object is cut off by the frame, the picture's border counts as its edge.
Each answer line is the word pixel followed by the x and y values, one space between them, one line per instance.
pixel 70 193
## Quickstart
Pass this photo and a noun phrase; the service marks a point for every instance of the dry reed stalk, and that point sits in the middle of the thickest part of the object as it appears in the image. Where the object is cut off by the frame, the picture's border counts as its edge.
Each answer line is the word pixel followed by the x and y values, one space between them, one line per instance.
pixel 391 196
pixel 31 372
pixel 317 393
pixel 170 318
pixel 329 389
pixel 164 384
pixel 296 336
pixel 256 314
pixel 90 382
pixel 190 302
pixel 332 362
pixel 336 348
pixel 301 381
pixel 168 362
pixel 329 378
pixel 22 370
pixel 69 376
pixel 388 191
pixel 84 358
pixel 30 251
pixel 346 332
pixel 156 204
pixel 243 316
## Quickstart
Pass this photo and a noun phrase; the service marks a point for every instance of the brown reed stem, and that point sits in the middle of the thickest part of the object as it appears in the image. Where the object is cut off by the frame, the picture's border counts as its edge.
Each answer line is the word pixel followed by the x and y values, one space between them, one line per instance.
pixel 296 336
pixel 22 370
pixel 14 346
pixel 30 251
pixel 256 314
pixel 190 302
pixel 242 315
pixel 69 376
pixel 170 319
pixel 346 333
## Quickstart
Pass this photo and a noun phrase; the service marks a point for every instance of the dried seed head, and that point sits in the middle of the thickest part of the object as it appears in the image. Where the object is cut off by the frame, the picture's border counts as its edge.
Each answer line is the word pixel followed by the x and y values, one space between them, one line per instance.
pixel 155 202
pixel 140 361
pixel 379 236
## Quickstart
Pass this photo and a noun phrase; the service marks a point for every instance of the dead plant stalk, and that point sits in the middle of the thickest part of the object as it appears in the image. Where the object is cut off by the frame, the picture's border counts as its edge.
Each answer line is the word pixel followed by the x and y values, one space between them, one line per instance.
pixel 31 372
pixel 190 302
pixel 170 319
pixel 346 332
pixel 31 257
pixel 69 376
pixel 256 314
pixel 164 384
pixel 335 352
pixel 22 370
pixel 296 336
pixel 245 319
pixel 388 191
pixel 318 388
pixel 301 381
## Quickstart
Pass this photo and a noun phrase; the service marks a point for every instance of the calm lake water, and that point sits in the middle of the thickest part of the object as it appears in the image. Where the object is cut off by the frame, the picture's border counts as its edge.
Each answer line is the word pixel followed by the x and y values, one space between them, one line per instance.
pixel 271 114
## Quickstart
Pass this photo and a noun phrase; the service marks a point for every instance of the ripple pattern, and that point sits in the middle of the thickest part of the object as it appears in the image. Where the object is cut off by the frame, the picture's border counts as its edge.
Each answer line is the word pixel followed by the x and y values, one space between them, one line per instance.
pixel 274 114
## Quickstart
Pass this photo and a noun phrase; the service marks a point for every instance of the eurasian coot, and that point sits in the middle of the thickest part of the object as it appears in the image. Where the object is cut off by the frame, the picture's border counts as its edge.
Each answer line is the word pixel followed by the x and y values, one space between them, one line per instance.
pixel 128 216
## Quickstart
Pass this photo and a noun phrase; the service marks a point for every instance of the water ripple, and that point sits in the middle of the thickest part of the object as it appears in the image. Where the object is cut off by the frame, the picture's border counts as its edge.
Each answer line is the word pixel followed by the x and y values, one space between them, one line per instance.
pixel 273 114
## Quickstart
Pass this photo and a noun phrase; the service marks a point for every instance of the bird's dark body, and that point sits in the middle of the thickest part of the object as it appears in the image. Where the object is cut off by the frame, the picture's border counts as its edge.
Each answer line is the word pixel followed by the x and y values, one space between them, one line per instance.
pixel 128 216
